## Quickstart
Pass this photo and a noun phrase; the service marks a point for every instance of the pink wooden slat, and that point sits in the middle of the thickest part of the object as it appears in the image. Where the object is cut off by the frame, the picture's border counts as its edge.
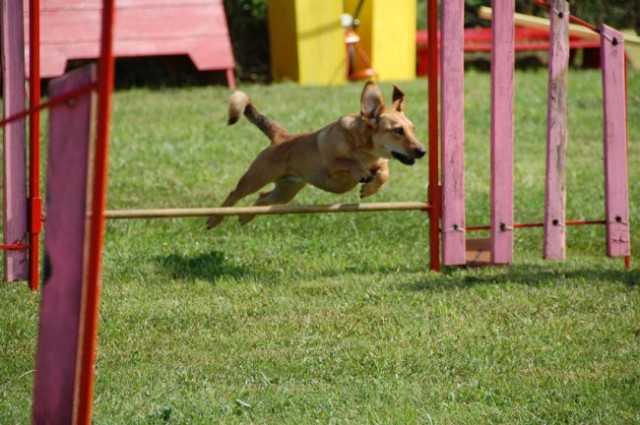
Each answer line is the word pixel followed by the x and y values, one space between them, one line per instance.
pixel 14 185
pixel 557 136
pixel 502 131
pixel 452 110
pixel 615 143
pixel 61 305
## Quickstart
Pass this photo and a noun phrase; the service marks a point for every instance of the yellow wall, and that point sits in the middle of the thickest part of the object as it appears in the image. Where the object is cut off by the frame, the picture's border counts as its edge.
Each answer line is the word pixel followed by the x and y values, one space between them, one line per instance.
pixel 388 33
pixel 307 41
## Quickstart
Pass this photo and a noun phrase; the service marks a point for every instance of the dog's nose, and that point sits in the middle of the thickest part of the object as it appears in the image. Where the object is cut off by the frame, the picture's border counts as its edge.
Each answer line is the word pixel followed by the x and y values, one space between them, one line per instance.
pixel 419 152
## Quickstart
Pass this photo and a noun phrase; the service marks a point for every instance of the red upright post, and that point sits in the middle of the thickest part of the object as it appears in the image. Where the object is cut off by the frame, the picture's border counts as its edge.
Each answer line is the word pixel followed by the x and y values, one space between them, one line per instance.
pixel 35 202
pixel 435 194
pixel 96 224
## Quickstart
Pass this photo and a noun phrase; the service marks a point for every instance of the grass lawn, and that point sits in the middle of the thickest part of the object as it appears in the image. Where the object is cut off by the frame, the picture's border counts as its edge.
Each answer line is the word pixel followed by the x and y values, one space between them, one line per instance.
pixel 335 318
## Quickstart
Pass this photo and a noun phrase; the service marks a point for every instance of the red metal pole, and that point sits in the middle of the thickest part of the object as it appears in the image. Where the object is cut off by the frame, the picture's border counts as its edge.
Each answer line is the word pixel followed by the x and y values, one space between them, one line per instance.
pixel 52 101
pixel 435 194
pixel 89 334
pixel 35 202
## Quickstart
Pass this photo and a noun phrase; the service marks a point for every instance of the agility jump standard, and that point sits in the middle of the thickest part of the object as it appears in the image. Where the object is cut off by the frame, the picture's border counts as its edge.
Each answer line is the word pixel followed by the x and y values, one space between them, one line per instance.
pixel 615 137
pixel 446 204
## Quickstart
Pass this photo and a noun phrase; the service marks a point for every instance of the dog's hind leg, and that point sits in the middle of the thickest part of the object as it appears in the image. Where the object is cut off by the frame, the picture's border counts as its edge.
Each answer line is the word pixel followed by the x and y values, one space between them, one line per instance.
pixel 254 179
pixel 285 190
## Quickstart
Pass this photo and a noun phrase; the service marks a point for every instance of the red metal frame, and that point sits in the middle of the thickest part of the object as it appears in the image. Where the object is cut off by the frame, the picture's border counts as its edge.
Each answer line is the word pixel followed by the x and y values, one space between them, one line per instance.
pixel 90 313
pixel 96 225
pixel 35 201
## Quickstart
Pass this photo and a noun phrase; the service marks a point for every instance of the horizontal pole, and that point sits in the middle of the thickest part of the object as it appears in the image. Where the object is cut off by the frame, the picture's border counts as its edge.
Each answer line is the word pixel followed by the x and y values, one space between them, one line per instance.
pixel 49 103
pixel 263 210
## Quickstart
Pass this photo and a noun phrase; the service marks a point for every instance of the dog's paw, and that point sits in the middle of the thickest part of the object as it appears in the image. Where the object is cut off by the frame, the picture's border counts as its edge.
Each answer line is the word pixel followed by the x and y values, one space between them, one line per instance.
pixel 365 176
pixel 368 190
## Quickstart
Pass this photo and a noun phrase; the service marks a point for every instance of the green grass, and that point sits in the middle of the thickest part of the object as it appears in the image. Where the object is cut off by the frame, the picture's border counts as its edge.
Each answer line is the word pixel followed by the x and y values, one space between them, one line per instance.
pixel 335 318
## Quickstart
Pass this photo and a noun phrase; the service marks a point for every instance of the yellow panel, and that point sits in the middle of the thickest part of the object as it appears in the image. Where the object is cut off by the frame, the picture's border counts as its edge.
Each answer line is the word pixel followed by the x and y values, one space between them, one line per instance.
pixel 282 40
pixel 394 39
pixel 307 41
pixel 320 42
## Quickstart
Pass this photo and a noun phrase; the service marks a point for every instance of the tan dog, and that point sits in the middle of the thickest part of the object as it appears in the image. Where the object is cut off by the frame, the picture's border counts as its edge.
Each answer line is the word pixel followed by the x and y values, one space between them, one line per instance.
pixel 355 149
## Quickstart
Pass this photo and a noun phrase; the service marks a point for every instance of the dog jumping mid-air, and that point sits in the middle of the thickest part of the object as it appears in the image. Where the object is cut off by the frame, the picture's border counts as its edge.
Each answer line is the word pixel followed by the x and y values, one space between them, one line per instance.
pixel 354 149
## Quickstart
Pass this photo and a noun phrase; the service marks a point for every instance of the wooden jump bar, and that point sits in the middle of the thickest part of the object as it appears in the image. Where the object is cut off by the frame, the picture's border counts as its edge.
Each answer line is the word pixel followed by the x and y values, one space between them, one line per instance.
pixel 264 210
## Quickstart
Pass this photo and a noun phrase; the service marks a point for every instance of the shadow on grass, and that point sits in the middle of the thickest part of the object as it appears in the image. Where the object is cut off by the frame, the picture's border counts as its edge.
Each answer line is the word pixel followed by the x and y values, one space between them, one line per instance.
pixel 212 266
pixel 208 267
pixel 530 275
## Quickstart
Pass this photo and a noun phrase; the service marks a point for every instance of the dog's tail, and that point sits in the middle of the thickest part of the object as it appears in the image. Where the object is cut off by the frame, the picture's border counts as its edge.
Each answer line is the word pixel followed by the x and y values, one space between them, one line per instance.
pixel 240 103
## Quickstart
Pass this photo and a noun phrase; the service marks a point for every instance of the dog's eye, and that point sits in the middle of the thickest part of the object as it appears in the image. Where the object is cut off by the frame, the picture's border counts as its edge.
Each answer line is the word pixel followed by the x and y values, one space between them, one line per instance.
pixel 399 131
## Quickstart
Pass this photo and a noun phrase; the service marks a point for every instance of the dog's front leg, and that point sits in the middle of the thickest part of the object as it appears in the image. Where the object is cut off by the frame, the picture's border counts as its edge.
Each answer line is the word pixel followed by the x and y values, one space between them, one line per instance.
pixel 357 171
pixel 380 177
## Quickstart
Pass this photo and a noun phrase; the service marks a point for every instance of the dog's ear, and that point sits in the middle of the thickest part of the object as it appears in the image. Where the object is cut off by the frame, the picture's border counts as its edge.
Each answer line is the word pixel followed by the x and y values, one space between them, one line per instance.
pixel 371 102
pixel 398 99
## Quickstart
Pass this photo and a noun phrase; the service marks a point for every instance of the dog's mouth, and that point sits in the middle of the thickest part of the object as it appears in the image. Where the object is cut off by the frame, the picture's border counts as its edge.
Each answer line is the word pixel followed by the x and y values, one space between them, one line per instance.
pixel 407 160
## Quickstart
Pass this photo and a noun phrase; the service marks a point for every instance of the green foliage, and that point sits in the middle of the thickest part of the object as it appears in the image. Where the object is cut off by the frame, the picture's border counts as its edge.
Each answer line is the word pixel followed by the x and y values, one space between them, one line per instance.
pixel 247 20
pixel 334 318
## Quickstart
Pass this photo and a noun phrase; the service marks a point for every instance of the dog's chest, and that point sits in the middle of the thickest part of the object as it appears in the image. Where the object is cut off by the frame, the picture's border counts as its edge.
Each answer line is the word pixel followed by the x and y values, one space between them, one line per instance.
pixel 337 183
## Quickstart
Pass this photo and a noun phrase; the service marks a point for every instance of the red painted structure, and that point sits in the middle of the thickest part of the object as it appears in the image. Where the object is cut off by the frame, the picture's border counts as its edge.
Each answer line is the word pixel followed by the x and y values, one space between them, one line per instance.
pixel 70 29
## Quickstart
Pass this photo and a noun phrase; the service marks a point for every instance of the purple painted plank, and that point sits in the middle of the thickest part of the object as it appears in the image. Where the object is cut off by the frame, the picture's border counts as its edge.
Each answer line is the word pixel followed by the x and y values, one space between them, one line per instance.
pixel 67 200
pixel 14 184
pixel 615 143
pixel 452 110
pixel 502 131
pixel 557 136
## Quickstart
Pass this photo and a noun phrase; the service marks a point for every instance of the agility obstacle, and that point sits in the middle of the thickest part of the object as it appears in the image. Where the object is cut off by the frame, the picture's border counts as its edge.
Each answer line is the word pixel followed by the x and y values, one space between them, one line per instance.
pixel 446 201
pixel 76 213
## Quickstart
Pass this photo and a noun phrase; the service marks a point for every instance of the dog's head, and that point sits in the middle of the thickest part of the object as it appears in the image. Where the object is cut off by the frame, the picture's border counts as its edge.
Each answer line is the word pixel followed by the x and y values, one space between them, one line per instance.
pixel 393 134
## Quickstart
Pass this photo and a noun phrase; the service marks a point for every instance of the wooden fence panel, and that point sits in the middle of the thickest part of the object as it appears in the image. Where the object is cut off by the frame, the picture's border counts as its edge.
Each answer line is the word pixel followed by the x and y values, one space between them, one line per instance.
pixel 557 135
pixel 14 183
pixel 502 131
pixel 452 121
pixel 615 142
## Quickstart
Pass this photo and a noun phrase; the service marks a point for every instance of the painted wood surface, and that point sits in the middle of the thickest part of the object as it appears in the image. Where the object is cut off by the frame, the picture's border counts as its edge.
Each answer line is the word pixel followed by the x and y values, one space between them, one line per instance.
pixel 452 122
pixel 64 272
pixel 557 135
pixel 70 29
pixel 14 187
pixel 502 131
pixel 615 143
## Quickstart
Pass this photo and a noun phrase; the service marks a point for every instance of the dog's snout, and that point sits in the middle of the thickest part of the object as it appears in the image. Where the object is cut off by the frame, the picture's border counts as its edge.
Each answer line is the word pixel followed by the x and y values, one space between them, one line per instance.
pixel 419 152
